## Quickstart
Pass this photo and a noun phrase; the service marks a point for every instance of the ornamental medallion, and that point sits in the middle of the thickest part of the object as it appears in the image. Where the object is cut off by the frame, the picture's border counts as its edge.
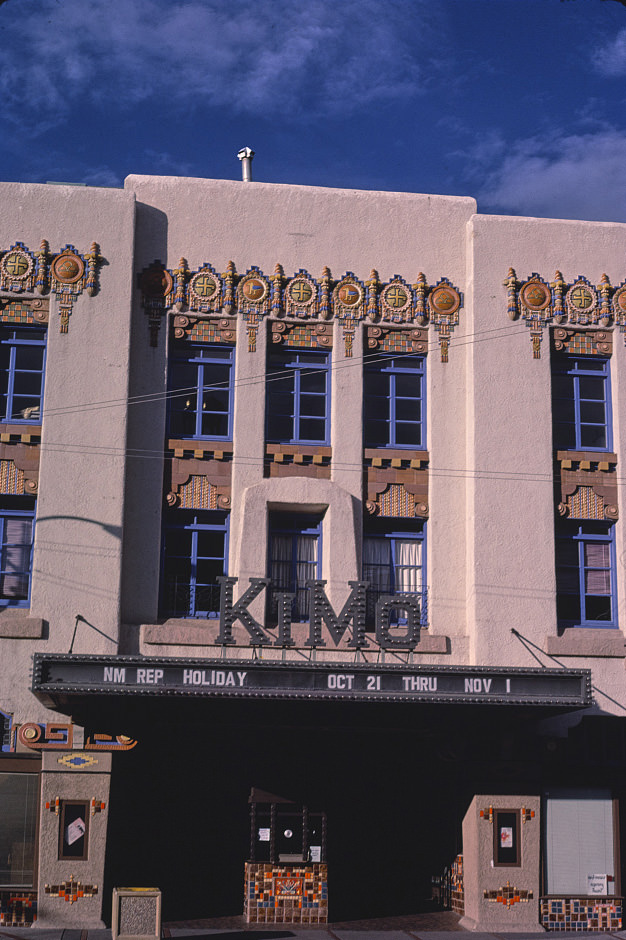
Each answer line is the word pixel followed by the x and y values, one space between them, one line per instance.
pixel 535 296
pixel 349 294
pixel 581 298
pixel 254 290
pixel 16 265
pixel 68 268
pixel 445 300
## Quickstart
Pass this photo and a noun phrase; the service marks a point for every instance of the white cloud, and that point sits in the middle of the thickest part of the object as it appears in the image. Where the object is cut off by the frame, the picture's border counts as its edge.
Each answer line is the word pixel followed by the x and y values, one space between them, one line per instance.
pixel 571 177
pixel 611 58
pixel 272 56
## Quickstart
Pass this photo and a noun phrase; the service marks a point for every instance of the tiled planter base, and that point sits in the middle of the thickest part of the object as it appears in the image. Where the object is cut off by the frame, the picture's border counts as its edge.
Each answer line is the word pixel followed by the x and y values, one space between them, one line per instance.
pixel 286 894
pixel 18 908
pixel 581 913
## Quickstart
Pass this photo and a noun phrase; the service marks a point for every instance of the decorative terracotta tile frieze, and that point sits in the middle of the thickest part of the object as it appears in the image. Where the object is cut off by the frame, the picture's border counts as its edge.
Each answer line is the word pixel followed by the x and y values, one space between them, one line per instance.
pixel 539 303
pixel 583 342
pixel 25 312
pixel 588 485
pixel 19 463
pixel 302 460
pixel 255 296
pixel 67 274
pixel 387 339
pixel 201 330
pixel 300 336
pixel 201 481
pixel 396 482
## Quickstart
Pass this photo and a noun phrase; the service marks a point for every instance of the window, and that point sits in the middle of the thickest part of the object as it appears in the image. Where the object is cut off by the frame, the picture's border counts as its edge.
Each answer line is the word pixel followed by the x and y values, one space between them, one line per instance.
pixel 298 397
pixel 200 391
pixel 580 841
pixel 393 563
pixel 19 796
pixel 394 401
pixel 195 552
pixel 580 402
pixel 585 575
pixel 74 830
pixel 17 521
pixel 22 368
pixel 294 559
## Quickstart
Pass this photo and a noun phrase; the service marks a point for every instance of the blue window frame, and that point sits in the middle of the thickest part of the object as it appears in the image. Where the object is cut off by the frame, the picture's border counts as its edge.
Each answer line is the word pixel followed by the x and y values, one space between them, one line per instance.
pixel 585 575
pixel 581 396
pixel 195 554
pixel 394 402
pixel 294 558
pixel 22 371
pixel 17 529
pixel 200 388
pixel 394 562
pixel 298 397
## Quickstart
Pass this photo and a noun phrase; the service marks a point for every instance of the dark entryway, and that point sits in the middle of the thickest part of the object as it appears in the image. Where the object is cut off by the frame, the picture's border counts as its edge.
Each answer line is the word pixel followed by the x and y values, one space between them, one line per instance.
pixel 395 781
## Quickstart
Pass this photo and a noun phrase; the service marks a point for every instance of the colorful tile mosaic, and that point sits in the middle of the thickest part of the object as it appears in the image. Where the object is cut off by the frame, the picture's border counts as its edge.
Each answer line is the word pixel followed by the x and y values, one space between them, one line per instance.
pixel 11 479
pixel 508 895
pixel 457 892
pixel 286 894
pixel 255 295
pixel 540 303
pixel 25 311
pixel 302 337
pixel 71 890
pixel 198 494
pixel 18 908
pixel 573 914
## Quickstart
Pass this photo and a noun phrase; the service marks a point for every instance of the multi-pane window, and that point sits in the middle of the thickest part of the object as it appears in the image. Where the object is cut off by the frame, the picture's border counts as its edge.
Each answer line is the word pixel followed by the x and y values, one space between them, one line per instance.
pixel 394 401
pixel 17 521
pixel 195 552
pixel 298 397
pixel 200 389
pixel 394 563
pixel 580 402
pixel 585 574
pixel 22 368
pixel 19 796
pixel 294 559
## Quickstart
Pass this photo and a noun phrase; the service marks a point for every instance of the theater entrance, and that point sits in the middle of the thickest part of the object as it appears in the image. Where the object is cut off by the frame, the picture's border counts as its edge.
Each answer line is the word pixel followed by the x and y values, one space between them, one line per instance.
pixel 394 781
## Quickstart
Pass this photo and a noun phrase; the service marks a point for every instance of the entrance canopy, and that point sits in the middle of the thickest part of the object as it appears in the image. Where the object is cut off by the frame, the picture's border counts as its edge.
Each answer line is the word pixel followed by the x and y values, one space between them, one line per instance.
pixel 57 677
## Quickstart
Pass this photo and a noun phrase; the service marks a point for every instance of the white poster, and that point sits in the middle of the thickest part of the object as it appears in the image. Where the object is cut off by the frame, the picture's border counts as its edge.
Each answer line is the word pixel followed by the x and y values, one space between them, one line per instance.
pixel 506 837
pixel 75 831
pixel 597 885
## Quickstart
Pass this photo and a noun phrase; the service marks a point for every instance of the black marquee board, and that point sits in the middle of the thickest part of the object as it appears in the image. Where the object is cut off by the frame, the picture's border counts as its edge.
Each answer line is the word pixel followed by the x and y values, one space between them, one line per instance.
pixel 61 675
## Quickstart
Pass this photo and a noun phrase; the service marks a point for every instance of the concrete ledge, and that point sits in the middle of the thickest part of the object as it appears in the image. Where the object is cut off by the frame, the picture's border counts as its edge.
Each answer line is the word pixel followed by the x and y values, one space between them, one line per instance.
pixel 179 632
pixel 17 624
pixel 577 641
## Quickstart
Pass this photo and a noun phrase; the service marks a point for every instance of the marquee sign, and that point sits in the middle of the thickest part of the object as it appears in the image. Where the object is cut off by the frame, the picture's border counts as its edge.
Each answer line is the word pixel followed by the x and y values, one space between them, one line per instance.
pixel 59 676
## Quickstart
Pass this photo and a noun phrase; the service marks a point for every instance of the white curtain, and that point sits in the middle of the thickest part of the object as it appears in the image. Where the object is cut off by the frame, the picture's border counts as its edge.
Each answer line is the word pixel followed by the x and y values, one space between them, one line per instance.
pixel 597 555
pixel 306 559
pixel 408 565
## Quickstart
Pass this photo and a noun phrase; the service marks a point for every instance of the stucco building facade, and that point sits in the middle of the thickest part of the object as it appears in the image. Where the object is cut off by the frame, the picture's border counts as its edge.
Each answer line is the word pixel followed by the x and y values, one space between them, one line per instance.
pixel 317 492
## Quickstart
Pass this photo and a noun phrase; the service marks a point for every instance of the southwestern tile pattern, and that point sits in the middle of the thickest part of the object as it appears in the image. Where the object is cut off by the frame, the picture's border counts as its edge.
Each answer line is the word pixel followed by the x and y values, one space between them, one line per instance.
pixel 18 908
pixel 588 485
pixel 24 311
pixel 286 894
pixel 574 914
pixel 255 296
pixel 540 303
pixel 396 482
pixel 302 460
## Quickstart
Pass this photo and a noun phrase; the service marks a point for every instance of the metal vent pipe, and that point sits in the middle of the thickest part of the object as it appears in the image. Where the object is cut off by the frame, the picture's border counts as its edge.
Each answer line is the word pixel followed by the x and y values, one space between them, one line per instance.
pixel 246 155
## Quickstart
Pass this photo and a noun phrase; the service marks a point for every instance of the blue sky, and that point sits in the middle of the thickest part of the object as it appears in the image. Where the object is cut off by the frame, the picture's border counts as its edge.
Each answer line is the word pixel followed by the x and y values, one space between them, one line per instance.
pixel 520 103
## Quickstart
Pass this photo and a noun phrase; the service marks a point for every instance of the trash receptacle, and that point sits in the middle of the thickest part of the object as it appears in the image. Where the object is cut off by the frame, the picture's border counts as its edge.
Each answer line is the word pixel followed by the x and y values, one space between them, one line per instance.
pixel 136 914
